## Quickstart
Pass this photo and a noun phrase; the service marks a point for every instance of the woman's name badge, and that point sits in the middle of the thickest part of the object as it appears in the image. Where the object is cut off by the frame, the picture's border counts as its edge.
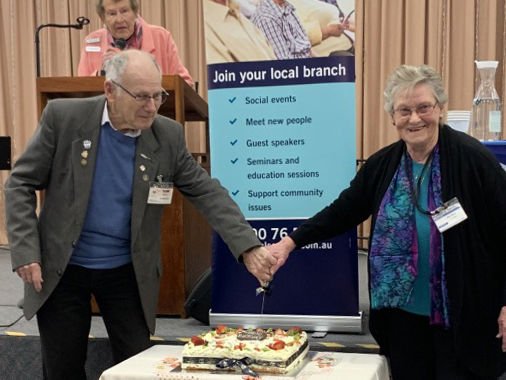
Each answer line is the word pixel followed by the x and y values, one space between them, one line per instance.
pixel 448 215
pixel 160 193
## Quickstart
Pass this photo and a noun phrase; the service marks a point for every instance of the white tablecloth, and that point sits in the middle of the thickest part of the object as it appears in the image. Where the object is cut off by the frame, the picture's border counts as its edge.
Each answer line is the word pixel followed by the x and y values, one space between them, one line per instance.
pixel 163 362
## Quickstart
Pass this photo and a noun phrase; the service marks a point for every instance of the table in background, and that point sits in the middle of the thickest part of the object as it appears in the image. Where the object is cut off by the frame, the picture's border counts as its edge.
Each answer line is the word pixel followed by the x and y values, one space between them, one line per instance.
pixel 498 148
pixel 163 362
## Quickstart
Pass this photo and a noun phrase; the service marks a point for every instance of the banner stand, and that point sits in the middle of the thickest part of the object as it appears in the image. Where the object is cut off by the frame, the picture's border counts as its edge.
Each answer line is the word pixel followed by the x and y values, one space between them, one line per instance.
pixel 283 142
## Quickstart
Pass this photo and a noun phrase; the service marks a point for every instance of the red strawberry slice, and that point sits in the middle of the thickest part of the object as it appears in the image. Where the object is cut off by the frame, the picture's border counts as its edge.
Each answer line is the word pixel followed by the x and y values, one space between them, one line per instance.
pixel 197 340
pixel 277 345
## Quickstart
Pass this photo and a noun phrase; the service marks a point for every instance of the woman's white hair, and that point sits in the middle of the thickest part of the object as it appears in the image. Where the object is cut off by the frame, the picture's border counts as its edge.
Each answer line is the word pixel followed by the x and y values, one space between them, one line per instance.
pixel 406 77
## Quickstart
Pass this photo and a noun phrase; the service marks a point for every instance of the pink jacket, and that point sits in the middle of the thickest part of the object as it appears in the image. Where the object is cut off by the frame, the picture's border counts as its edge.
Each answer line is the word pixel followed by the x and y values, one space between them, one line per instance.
pixel 155 40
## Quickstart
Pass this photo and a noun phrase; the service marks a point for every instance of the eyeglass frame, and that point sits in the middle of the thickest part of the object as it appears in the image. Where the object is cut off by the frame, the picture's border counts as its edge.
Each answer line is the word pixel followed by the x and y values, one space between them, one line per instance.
pixel 417 109
pixel 143 99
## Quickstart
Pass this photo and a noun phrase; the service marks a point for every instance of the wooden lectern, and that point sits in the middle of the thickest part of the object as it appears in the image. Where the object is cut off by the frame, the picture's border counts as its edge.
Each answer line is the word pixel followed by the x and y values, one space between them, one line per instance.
pixel 185 235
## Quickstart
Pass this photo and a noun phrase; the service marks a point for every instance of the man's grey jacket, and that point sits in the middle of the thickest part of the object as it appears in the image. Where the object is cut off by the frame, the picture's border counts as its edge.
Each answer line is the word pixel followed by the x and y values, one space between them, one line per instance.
pixel 53 162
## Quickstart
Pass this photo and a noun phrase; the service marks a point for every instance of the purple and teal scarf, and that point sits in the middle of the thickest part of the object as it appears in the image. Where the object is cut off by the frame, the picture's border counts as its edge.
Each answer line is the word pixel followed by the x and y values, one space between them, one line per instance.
pixel 393 258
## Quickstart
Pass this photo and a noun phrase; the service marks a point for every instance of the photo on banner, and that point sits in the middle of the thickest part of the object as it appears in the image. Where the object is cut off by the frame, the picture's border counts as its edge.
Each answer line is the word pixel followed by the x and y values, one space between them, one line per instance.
pixel 254 30
pixel 281 80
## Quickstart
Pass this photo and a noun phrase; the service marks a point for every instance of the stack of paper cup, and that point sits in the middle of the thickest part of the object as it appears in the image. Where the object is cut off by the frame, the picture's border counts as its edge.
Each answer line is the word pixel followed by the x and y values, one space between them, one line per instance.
pixel 459 120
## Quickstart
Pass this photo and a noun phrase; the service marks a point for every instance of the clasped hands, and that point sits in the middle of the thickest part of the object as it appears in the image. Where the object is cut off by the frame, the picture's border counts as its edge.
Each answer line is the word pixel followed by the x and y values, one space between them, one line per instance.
pixel 264 262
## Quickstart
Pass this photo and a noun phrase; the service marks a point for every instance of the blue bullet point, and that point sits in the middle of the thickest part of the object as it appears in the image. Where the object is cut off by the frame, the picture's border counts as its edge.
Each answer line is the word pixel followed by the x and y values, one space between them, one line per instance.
pixel 235 192
pixel 233 142
pixel 234 160
pixel 232 121
pixel 231 100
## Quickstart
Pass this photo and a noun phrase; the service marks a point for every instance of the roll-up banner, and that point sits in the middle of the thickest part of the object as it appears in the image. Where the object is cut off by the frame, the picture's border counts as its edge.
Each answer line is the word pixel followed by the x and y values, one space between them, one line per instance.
pixel 283 142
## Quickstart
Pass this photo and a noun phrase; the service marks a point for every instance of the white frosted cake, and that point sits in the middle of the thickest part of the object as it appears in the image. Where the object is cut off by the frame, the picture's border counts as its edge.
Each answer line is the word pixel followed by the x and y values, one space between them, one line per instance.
pixel 262 350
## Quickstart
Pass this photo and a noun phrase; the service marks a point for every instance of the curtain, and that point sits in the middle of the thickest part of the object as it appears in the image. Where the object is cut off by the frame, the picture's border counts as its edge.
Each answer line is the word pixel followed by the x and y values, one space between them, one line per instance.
pixel 446 34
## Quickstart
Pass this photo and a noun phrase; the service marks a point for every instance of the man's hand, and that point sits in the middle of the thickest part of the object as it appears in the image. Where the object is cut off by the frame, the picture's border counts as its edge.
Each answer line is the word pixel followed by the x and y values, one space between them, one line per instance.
pixel 281 250
pixel 501 322
pixel 259 263
pixel 31 274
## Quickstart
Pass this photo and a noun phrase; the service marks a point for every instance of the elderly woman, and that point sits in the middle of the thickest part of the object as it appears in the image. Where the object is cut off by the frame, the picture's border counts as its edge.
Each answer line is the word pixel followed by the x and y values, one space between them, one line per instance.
pixel 125 29
pixel 437 260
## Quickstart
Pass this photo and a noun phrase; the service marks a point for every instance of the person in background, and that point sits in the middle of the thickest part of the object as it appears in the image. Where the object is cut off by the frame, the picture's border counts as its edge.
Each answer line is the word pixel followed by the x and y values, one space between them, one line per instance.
pixel 108 165
pixel 323 26
pixel 248 7
pixel 279 23
pixel 231 37
pixel 125 29
pixel 437 259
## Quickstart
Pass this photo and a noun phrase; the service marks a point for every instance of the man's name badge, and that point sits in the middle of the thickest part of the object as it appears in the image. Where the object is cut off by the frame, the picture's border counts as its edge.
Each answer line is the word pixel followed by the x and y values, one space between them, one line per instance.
pixel 448 215
pixel 160 193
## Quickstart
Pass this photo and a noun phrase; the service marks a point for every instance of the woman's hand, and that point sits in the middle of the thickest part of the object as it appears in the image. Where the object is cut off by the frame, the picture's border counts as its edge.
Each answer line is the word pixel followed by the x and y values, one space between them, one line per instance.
pixel 281 250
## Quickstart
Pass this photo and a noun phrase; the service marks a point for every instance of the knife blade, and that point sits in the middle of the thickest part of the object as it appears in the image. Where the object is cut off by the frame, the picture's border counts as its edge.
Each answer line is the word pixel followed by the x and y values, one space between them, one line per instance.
pixel 263 304
pixel 265 289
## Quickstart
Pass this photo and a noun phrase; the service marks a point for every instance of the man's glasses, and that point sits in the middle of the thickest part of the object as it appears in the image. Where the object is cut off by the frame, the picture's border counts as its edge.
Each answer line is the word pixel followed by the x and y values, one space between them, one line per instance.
pixel 422 110
pixel 158 98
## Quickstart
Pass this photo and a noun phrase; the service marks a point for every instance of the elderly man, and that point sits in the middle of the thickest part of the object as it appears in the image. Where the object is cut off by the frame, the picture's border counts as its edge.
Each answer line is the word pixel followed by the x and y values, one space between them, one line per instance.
pixel 278 20
pixel 300 28
pixel 108 164
pixel 324 28
pixel 125 29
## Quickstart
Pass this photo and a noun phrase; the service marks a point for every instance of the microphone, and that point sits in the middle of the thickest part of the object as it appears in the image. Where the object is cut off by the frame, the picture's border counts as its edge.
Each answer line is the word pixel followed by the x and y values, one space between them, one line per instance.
pixel 120 43
pixel 81 21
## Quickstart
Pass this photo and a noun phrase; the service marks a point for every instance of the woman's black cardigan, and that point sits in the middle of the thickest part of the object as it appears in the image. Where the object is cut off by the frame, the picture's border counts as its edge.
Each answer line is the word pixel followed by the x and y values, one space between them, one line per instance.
pixel 475 250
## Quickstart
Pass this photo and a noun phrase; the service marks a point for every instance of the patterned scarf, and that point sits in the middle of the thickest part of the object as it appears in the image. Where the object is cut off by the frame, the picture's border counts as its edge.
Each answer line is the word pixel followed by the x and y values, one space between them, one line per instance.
pixel 393 259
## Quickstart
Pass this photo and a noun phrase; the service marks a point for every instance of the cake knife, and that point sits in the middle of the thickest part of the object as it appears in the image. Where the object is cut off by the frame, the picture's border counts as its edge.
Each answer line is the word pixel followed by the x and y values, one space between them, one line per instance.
pixel 265 289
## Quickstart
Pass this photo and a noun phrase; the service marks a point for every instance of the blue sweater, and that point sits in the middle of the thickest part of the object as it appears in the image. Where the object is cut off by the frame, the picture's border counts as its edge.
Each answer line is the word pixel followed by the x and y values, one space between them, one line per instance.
pixel 105 238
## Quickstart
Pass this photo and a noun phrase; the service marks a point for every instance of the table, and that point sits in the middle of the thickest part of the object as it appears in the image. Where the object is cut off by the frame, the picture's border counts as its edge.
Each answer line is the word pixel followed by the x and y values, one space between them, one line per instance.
pixel 162 362
pixel 498 148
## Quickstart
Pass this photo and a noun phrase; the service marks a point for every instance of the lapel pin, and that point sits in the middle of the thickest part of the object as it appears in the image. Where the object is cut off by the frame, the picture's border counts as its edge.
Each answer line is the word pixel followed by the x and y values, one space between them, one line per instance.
pixel 142 168
pixel 84 162
pixel 145 177
pixel 84 154
pixel 87 144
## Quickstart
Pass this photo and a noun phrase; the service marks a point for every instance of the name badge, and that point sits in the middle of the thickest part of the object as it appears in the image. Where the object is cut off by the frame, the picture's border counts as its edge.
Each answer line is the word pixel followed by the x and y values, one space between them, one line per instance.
pixel 93 40
pixel 448 215
pixel 160 193
pixel 93 49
